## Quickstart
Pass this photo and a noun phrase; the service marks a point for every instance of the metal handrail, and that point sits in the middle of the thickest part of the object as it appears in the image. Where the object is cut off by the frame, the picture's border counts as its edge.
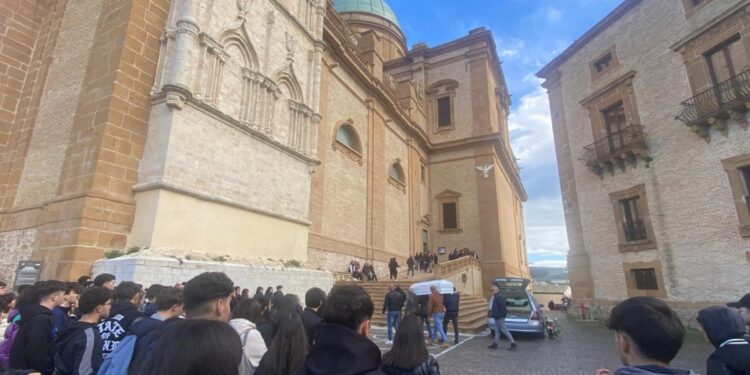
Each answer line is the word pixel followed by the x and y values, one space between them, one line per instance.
pixel 617 142
pixel 450 267
pixel 716 99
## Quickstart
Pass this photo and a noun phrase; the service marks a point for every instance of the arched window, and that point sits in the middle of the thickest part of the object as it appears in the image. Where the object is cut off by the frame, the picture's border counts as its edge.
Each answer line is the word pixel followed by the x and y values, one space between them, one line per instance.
pixel 397 172
pixel 347 136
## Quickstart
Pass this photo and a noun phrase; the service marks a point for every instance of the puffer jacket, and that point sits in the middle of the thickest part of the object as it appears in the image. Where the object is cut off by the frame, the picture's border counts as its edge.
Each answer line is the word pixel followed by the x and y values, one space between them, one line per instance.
pixel 9 335
pixel 428 367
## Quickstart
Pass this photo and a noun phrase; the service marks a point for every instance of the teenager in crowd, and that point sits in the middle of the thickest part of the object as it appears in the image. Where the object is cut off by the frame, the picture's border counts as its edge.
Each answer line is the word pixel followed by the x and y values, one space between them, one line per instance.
pixel 289 348
pixel 122 316
pixel 169 305
pixel 310 317
pixel 725 330
pixel 648 335
pixel 61 315
pixel 198 346
pixel 244 316
pixel 34 344
pixel 79 347
pixel 148 307
pixel 105 280
pixel 409 355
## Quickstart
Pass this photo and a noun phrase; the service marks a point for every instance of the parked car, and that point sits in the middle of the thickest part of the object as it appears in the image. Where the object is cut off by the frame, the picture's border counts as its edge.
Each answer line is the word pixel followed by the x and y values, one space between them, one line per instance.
pixel 524 312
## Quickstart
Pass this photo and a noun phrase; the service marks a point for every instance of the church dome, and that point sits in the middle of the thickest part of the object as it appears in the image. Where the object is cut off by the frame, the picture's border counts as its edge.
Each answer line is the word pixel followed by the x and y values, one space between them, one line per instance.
pixel 376 7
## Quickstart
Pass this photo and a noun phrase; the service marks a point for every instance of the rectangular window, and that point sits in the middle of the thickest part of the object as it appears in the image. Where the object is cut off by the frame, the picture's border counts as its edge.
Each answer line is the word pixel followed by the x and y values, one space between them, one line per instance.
pixel 633 225
pixel 645 279
pixel 425 241
pixel 603 63
pixel 423 174
pixel 450 220
pixel 738 171
pixel 444 112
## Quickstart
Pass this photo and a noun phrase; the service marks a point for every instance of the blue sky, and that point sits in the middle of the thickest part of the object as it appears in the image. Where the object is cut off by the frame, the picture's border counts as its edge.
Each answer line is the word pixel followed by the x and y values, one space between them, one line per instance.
pixel 528 34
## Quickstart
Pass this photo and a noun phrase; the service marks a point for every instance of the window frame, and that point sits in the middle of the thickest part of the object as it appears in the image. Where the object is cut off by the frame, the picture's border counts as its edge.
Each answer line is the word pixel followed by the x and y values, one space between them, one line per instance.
pixel 449 196
pixel 613 63
pixel 738 188
pixel 616 199
pixel 351 153
pixel 440 90
pixel 395 182
pixel 631 284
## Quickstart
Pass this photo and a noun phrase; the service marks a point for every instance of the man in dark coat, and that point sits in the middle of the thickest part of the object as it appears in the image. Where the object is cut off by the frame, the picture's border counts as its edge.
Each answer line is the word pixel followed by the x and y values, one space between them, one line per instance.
pixel 452 302
pixel 499 312
pixel 392 304
pixel 341 345
pixel 410 265
pixel 33 347
pixel 123 314
pixel 311 320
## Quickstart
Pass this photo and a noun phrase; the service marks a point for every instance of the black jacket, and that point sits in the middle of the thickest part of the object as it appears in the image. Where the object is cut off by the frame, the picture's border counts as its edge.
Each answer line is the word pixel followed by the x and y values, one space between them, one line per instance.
pixel 393 301
pixel 78 350
pixel 114 329
pixel 731 359
pixel 340 351
pixel 451 302
pixel 144 330
pixel 311 320
pixel 499 309
pixel 428 367
pixel 34 344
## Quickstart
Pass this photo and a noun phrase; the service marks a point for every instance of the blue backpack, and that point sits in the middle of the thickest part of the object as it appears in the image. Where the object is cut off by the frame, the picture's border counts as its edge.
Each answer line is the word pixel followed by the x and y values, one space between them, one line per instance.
pixel 118 361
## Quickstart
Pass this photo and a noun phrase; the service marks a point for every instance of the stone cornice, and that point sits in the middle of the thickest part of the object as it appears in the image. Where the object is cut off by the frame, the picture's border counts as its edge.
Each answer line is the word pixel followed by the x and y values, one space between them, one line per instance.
pixel 602 25
pixel 709 25
pixel 617 82
pixel 149 186
pixel 170 93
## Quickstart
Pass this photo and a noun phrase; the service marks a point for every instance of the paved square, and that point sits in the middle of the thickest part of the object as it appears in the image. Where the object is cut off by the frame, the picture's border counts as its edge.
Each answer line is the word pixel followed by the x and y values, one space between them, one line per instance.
pixel 583 348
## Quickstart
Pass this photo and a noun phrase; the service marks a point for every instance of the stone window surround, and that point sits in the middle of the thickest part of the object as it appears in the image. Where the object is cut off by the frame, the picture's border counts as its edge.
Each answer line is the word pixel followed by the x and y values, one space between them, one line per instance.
pixel 398 184
pixel 731 166
pixel 347 151
pixel 628 268
pixel 449 196
pixel 619 90
pixel 691 9
pixel 612 65
pixel 629 246
pixel 438 90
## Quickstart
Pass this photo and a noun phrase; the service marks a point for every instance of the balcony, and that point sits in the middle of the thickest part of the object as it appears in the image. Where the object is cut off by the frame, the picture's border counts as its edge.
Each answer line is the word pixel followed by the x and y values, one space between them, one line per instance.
pixel 635 230
pixel 711 108
pixel 616 150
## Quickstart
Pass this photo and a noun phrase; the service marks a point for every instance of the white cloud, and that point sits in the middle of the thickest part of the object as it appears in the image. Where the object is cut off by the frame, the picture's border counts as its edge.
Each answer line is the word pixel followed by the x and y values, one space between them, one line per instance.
pixel 531 130
pixel 509 52
pixel 554 15
pixel 550 263
pixel 545 227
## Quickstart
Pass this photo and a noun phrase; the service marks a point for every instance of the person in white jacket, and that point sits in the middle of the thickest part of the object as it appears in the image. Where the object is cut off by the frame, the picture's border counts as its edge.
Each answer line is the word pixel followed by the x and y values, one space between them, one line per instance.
pixel 244 315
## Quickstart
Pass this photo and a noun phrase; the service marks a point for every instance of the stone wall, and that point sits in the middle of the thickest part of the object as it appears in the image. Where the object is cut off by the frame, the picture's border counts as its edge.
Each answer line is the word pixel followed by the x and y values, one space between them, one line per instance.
pixel 17 245
pixel 691 206
pixel 168 271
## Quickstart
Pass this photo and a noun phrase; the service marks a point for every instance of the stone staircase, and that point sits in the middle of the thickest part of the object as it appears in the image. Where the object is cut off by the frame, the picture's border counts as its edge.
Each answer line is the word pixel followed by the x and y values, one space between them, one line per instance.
pixel 472 316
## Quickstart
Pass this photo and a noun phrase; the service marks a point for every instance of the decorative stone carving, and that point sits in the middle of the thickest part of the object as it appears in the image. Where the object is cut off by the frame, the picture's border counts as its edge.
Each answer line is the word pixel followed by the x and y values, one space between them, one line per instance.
pixel 485 170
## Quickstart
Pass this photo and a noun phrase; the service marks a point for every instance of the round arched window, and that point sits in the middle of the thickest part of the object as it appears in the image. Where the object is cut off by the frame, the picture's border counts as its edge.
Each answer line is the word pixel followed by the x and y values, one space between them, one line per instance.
pixel 347 136
pixel 397 172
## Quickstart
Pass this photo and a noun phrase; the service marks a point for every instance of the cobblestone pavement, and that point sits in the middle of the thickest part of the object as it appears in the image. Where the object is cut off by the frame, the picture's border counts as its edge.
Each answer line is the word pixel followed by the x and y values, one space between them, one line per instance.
pixel 582 348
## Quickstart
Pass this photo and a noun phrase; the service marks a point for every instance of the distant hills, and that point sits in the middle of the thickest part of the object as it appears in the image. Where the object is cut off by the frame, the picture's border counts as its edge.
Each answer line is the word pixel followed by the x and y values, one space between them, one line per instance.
pixel 549 274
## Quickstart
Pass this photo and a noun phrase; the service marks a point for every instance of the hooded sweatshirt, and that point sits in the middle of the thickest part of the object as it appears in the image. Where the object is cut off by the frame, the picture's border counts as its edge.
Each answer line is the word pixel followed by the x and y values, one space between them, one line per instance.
pixel 34 344
pixel 252 342
pixel 725 330
pixel 78 350
pixel 114 329
pixel 339 350
pixel 651 370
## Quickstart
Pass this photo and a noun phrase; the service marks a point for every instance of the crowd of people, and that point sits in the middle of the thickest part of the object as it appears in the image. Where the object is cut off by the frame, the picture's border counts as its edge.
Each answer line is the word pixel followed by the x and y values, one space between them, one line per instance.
pixel 460 253
pixel 366 273
pixel 424 261
pixel 209 326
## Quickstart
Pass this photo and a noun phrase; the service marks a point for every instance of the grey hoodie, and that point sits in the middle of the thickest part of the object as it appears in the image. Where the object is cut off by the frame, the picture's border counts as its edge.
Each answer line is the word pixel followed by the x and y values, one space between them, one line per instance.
pixel 651 370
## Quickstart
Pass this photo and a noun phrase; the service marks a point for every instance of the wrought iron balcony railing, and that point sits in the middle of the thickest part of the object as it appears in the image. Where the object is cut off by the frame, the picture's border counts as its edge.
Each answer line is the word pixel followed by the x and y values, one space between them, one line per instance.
pixel 628 142
pixel 635 231
pixel 718 101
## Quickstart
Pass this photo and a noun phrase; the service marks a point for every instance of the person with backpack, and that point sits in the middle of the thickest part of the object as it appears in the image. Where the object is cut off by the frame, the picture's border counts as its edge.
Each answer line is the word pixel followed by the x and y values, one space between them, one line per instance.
pixel 33 345
pixel 14 316
pixel 244 316
pixel 78 349
pixel 725 330
pixel 124 313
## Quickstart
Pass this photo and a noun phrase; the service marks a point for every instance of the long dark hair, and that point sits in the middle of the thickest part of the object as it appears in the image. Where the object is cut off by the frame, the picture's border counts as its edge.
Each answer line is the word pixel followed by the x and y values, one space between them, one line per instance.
pixel 195 347
pixel 289 348
pixel 409 349
pixel 248 309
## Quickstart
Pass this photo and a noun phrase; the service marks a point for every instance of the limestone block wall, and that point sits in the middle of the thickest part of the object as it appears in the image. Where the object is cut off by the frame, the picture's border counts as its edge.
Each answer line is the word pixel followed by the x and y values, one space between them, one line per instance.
pixel 689 198
pixel 168 271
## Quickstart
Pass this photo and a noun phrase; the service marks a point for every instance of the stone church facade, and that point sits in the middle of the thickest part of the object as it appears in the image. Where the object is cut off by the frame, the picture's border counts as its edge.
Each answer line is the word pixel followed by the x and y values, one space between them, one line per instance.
pixel 649 111
pixel 287 129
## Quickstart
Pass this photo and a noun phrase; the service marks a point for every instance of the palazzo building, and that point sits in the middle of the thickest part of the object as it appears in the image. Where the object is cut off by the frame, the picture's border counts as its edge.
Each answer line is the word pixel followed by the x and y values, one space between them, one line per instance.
pixel 288 129
pixel 649 110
